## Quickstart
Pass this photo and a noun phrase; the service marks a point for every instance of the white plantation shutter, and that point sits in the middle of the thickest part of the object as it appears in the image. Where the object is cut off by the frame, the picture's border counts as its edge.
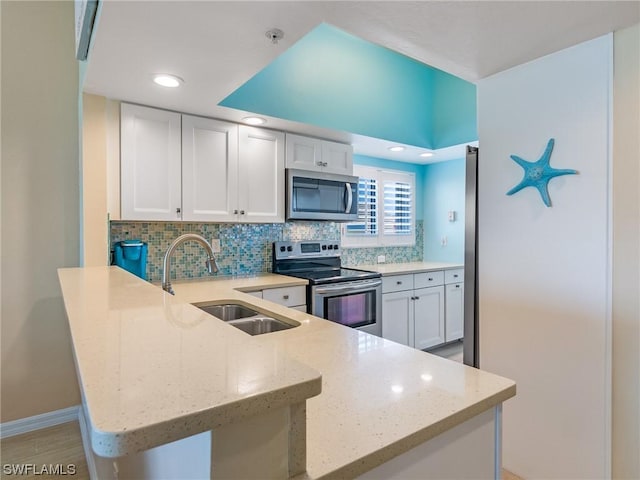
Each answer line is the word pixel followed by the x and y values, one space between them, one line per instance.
pixel 367 209
pixel 397 208
pixel 386 209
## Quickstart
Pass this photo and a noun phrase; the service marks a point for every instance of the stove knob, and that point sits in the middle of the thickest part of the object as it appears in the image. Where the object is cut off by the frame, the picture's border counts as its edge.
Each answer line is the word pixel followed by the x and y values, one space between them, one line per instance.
pixel 330 247
pixel 289 248
pixel 283 248
pixel 335 247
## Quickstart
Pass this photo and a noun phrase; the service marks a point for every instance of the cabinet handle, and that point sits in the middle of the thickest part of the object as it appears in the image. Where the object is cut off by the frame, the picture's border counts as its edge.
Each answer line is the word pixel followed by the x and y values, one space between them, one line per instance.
pixel 430 279
pixel 285 297
pixel 324 164
pixel 455 276
pixel 319 164
pixel 178 211
pixel 457 286
pixel 241 212
pixel 416 298
pixel 235 212
pixel 412 298
pixel 398 282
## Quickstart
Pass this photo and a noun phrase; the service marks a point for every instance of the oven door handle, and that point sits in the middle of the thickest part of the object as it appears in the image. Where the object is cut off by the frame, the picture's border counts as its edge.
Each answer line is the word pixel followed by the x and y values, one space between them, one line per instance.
pixel 349 289
pixel 349 198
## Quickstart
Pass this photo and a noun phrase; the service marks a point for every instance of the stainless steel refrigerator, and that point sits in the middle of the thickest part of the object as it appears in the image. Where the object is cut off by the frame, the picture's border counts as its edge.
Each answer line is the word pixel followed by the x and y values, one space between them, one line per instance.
pixel 470 342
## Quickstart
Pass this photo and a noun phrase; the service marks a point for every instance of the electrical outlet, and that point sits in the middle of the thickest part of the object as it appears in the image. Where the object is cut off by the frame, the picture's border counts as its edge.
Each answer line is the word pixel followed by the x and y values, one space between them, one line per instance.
pixel 443 241
pixel 382 259
pixel 215 245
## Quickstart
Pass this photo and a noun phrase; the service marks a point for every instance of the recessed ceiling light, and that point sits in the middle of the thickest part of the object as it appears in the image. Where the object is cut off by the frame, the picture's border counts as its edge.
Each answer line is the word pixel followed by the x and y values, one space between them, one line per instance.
pixel 426 154
pixel 166 80
pixel 397 148
pixel 254 120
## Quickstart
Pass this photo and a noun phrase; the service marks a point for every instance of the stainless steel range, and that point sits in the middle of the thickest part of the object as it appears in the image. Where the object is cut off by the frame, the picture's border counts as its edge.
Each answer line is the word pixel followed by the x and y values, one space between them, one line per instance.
pixel 347 296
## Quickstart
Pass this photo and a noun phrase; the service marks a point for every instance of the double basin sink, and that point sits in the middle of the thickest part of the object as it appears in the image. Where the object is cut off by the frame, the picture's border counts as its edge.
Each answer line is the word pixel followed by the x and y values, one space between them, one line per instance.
pixel 244 318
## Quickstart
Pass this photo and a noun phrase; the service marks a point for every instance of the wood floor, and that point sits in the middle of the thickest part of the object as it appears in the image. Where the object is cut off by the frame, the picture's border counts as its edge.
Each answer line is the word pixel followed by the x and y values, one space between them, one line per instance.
pixel 452 351
pixel 63 445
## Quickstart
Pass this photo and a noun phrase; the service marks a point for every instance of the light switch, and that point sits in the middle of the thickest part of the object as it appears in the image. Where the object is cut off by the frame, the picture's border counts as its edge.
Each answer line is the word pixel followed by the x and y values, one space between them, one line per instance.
pixel 215 245
pixel 452 215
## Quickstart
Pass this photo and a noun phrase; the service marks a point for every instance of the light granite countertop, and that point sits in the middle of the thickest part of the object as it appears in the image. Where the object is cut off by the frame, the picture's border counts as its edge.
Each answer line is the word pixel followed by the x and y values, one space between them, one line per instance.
pixel 153 363
pixel 409 267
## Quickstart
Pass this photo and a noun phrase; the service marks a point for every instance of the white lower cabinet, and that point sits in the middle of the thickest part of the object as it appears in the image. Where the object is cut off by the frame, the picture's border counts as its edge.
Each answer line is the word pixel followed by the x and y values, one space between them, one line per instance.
pixel 292 297
pixel 413 317
pixel 454 308
pixel 397 316
pixel 428 320
pixel 423 310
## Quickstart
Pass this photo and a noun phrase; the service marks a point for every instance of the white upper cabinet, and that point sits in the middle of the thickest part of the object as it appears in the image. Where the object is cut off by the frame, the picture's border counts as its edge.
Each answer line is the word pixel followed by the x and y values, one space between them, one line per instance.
pixel 209 169
pixel 261 175
pixel 182 167
pixel 337 158
pixel 150 164
pixel 304 153
pixel 308 153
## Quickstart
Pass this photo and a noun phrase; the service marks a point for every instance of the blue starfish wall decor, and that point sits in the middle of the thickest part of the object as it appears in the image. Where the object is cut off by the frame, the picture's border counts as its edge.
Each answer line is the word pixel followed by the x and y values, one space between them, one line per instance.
pixel 537 174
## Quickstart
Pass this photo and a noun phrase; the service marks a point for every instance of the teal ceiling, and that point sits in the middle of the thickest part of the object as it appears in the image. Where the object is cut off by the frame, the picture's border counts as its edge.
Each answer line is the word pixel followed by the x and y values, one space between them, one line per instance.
pixel 338 81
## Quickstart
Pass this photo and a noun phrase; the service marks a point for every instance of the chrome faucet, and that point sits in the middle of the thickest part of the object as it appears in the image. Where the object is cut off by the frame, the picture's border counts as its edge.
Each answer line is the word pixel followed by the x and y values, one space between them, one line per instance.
pixel 212 266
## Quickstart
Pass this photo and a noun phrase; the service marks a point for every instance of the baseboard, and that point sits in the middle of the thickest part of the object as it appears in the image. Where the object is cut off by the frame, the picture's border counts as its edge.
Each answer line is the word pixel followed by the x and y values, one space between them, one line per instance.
pixel 37 422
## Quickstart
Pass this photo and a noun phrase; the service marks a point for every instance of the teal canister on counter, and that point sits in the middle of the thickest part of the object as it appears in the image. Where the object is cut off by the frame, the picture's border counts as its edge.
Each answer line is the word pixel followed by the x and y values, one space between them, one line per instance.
pixel 132 256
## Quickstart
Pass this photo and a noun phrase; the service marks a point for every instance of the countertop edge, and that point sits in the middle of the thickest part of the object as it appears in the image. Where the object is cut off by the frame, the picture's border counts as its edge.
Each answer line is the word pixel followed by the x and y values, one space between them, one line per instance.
pixel 388 452
pixel 119 444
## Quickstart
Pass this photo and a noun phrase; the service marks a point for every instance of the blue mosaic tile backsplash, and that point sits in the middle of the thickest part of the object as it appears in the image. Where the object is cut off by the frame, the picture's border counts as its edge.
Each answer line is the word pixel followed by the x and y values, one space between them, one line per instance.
pixel 245 247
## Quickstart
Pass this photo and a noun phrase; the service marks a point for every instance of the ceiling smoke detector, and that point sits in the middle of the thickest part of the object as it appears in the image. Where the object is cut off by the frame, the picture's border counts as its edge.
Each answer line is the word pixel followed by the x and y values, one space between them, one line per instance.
pixel 274 35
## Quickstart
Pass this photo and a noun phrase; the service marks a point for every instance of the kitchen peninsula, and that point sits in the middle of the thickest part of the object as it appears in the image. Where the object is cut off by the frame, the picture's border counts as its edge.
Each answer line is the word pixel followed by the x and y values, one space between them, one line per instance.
pixel 166 387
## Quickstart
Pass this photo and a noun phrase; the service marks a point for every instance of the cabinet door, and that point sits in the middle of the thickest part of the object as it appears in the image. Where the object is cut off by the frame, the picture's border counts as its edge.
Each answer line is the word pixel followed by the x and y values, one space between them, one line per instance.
pixel 337 158
pixel 304 152
pixel 261 178
pixel 209 169
pixel 397 317
pixel 150 164
pixel 454 312
pixel 429 317
pixel 287 296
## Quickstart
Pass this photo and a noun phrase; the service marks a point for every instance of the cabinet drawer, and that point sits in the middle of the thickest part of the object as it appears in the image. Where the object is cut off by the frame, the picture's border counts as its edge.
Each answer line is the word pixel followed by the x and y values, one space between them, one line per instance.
pixel 429 279
pixel 397 283
pixel 287 296
pixel 454 276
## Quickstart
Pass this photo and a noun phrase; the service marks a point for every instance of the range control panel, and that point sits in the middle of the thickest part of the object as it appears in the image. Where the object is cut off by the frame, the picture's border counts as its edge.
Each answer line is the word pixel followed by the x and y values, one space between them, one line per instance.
pixel 306 249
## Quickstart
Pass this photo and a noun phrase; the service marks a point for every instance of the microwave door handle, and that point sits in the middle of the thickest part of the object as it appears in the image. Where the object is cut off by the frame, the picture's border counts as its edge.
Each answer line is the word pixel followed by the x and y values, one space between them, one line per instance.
pixel 349 198
pixel 352 289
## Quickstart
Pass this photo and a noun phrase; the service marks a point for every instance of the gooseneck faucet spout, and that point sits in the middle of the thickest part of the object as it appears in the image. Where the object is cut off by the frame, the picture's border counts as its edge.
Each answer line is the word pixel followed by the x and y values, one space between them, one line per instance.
pixel 212 266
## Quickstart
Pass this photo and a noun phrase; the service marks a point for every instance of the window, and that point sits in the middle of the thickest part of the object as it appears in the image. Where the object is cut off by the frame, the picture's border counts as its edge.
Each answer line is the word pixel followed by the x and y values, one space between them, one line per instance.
pixel 386 209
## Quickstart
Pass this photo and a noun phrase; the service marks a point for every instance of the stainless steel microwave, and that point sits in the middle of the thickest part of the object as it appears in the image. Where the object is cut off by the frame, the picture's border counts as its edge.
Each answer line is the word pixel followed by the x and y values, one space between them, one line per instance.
pixel 321 196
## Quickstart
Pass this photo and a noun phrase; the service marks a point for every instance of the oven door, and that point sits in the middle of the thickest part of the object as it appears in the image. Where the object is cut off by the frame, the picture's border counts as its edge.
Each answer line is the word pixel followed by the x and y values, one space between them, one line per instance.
pixel 353 304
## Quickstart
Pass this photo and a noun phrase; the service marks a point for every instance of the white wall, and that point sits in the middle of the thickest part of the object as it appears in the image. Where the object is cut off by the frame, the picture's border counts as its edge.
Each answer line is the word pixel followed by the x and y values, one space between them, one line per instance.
pixel 544 273
pixel 40 204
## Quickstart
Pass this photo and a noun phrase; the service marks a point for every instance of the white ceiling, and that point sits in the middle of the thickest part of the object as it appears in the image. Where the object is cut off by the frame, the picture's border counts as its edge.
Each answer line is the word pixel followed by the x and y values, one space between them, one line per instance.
pixel 217 46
